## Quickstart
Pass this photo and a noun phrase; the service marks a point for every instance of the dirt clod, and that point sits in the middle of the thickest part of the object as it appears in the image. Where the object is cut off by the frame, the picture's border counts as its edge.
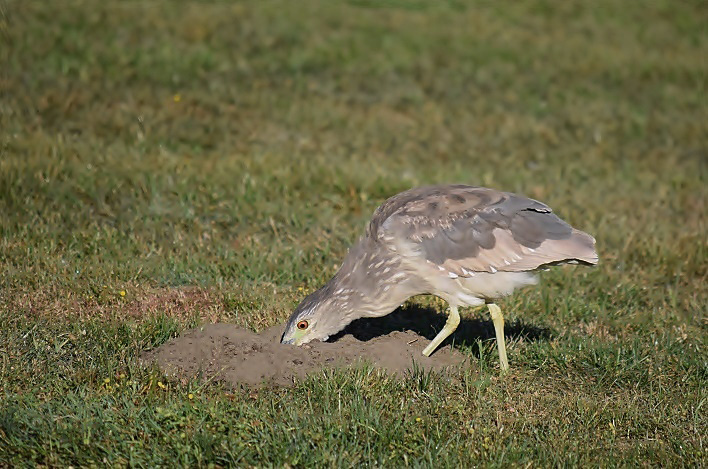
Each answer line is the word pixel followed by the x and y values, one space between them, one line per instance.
pixel 237 356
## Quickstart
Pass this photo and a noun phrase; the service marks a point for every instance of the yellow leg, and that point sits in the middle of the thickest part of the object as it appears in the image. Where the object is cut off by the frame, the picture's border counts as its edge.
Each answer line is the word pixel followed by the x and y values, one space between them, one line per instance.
pixel 453 320
pixel 498 320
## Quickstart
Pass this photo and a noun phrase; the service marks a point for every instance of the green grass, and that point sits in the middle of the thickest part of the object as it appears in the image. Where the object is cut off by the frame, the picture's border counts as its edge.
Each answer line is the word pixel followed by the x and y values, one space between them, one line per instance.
pixel 165 164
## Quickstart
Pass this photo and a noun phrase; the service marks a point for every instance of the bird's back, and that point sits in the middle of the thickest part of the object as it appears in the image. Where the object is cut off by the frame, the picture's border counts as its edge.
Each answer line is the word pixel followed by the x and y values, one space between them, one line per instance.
pixel 462 230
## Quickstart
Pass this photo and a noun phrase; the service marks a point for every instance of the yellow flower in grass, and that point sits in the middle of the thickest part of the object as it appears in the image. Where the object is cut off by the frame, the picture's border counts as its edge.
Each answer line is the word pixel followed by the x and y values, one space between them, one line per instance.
pixel 122 293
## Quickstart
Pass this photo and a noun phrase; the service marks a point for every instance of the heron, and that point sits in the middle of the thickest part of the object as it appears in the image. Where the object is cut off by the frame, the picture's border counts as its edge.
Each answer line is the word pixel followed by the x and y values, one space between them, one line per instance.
pixel 465 244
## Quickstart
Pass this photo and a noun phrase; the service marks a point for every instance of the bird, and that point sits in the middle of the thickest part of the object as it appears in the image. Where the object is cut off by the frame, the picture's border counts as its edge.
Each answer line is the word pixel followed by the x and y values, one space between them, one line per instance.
pixel 468 245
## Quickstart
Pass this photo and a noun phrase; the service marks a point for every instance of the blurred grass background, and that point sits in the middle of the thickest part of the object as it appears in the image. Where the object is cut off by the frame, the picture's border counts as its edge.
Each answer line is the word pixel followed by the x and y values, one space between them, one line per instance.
pixel 163 164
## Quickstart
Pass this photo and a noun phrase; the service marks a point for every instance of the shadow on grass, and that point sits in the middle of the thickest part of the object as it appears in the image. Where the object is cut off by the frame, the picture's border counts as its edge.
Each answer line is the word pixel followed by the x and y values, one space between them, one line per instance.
pixel 427 321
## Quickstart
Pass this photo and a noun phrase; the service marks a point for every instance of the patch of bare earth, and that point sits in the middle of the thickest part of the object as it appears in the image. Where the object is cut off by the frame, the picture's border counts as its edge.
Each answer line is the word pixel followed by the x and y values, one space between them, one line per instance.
pixel 227 353
pixel 180 303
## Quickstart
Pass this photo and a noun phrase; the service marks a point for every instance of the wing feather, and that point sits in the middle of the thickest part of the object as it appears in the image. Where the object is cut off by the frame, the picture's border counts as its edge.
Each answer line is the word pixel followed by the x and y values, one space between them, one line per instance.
pixel 467 229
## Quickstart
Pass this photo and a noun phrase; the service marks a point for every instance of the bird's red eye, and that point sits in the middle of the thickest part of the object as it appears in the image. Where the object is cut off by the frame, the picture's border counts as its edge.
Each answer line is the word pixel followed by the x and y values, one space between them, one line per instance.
pixel 302 325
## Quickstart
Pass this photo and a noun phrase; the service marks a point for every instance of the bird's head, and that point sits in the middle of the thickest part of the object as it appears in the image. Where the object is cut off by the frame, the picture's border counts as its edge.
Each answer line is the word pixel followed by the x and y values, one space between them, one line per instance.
pixel 320 315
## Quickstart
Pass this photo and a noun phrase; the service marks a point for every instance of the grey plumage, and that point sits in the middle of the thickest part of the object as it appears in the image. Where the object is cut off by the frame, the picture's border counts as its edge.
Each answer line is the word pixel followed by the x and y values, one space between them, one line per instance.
pixel 468 245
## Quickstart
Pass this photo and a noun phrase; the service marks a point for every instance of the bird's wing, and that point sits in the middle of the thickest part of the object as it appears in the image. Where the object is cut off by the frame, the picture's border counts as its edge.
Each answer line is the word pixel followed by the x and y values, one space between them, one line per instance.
pixel 465 229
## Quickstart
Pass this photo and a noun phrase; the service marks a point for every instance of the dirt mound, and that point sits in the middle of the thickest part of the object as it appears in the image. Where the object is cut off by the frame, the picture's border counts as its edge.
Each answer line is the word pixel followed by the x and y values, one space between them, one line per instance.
pixel 238 356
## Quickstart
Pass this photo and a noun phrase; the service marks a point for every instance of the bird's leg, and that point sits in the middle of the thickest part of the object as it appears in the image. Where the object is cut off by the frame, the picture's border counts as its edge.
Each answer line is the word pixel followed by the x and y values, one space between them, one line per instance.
pixel 498 320
pixel 453 320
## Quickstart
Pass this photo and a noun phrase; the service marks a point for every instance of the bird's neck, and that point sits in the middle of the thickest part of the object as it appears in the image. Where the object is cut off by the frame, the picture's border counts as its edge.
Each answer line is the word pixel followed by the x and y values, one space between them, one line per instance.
pixel 373 278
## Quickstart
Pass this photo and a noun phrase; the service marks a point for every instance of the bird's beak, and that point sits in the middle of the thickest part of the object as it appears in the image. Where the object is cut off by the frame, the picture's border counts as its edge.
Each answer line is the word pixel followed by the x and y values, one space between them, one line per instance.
pixel 290 341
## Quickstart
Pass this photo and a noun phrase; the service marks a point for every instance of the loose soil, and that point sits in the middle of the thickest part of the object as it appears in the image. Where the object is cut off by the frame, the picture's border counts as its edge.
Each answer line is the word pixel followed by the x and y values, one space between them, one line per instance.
pixel 236 356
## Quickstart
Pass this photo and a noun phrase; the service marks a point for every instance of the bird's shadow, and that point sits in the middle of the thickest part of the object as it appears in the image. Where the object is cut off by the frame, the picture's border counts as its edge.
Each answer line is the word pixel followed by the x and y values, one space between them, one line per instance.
pixel 427 322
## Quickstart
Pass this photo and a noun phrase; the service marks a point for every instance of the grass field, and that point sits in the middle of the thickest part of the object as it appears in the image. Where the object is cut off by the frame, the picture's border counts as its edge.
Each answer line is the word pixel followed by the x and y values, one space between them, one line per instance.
pixel 165 164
